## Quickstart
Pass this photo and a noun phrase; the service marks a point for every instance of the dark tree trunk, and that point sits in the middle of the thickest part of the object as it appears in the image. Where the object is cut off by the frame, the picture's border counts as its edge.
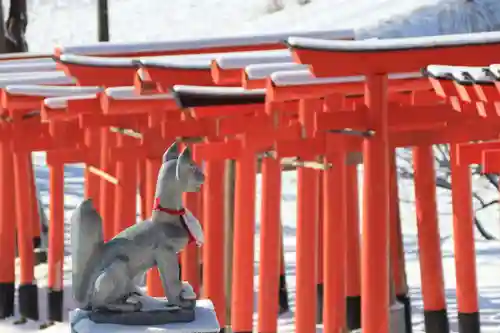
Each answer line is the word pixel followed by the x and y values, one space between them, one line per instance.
pixel 2 31
pixel 103 21
pixel 17 22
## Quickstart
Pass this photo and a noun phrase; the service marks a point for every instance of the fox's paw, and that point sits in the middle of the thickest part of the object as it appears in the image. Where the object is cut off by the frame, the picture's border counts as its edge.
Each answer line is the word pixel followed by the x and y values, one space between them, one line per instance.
pixel 187 292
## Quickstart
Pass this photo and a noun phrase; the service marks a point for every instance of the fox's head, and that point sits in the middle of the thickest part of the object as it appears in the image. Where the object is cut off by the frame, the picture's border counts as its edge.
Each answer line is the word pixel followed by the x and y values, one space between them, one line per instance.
pixel 178 173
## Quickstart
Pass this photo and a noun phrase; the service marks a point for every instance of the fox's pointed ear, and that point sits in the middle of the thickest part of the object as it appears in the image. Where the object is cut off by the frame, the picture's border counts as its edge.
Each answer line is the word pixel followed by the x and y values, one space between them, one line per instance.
pixel 184 158
pixel 171 153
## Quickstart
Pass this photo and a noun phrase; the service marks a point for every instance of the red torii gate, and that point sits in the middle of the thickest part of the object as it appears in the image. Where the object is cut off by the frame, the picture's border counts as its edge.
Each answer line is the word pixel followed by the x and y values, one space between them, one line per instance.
pixel 21 100
pixel 21 128
pixel 374 59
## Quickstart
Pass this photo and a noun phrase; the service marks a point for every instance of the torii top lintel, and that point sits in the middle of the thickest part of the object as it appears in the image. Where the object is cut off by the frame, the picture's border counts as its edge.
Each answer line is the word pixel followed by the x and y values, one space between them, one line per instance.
pixel 94 64
pixel 201 45
pixel 379 56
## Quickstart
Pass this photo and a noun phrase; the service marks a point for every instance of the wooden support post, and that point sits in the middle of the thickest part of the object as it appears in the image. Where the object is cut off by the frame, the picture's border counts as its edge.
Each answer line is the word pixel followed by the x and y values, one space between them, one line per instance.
pixel 190 255
pixel 28 290
pixel 125 214
pixel 399 286
pixel 353 266
pixel 92 181
pixel 107 189
pixel 244 239
pixel 320 244
pixel 307 198
pixel 375 242
pixel 429 241
pixel 270 235
pixel 34 215
pixel 7 229
pixel 141 176
pixel 465 254
pixel 334 315
pixel 284 306
pixel 56 242
pixel 154 285
pixel 213 258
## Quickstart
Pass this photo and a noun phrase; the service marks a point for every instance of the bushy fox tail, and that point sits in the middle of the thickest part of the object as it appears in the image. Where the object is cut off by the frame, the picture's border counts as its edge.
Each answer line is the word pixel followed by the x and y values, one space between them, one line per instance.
pixel 86 242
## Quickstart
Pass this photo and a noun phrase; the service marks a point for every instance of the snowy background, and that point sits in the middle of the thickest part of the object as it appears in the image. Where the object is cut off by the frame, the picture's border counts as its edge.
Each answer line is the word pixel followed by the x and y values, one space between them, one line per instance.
pixel 74 22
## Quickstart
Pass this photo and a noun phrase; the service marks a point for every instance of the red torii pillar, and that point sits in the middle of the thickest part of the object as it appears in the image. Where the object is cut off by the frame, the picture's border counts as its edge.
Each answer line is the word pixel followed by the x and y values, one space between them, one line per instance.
pixel 55 161
pixel 7 227
pixel 335 103
pixel 465 254
pixel 25 132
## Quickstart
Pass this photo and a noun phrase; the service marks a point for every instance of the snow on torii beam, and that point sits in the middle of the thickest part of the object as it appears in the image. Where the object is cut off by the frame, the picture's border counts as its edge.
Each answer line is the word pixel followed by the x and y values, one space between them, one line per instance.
pixel 255 76
pixel 227 68
pixel 252 42
pixel 29 96
pixel 165 70
pixel 206 69
pixel 467 88
pixel 298 84
pixel 396 55
pixel 470 84
pixel 88 62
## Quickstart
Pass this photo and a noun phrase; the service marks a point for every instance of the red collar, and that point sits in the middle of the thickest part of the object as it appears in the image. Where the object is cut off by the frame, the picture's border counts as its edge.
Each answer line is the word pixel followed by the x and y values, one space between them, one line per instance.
pixel 157 206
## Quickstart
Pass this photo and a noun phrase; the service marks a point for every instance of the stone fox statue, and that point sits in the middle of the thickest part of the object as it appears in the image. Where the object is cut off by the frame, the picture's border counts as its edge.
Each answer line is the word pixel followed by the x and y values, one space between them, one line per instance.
pixel 104 272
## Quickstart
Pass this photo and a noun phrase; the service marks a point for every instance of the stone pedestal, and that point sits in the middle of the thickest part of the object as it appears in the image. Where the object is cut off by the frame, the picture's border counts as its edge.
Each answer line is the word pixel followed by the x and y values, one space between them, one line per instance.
pixel 204 321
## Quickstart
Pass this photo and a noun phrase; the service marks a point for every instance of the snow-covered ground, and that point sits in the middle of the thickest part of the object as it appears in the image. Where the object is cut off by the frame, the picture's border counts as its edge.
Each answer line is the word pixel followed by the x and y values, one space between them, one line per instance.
pixel 74 22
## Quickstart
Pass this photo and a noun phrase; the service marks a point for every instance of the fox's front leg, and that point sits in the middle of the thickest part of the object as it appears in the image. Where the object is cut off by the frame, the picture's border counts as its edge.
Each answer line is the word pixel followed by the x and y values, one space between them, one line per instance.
pixel 168 266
